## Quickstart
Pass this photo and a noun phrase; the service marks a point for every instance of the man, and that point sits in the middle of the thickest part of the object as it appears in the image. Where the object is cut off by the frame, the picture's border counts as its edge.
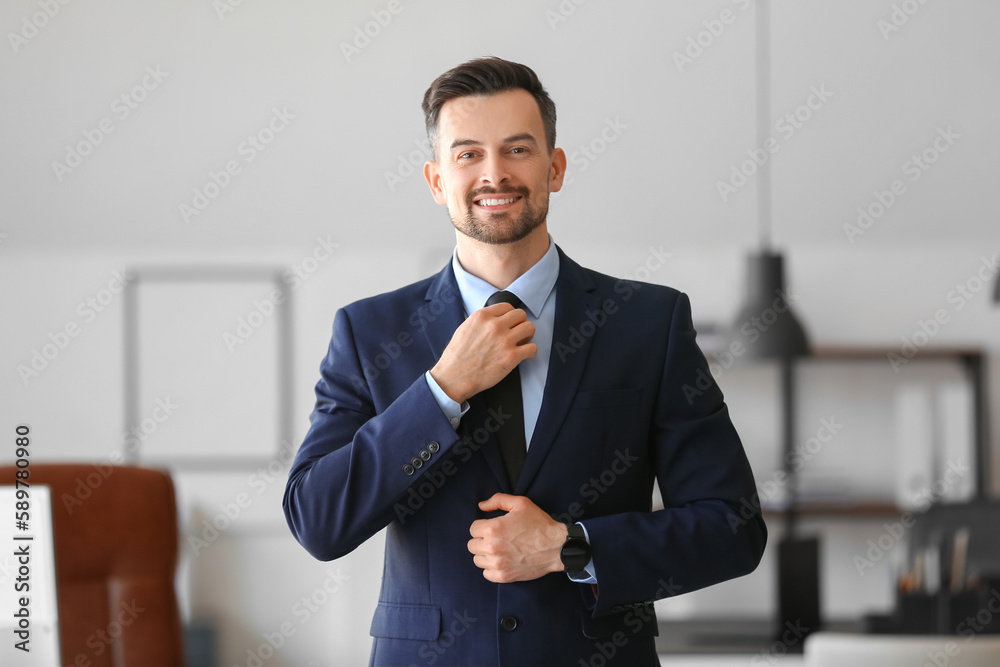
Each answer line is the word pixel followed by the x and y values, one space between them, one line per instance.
pixel 496 555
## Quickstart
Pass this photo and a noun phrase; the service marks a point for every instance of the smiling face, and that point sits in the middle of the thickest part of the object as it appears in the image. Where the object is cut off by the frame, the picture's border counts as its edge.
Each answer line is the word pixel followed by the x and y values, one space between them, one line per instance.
pixel 493 170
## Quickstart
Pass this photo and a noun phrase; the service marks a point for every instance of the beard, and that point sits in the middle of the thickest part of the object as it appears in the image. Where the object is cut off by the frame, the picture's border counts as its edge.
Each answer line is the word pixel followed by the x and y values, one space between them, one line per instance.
pixel 500 228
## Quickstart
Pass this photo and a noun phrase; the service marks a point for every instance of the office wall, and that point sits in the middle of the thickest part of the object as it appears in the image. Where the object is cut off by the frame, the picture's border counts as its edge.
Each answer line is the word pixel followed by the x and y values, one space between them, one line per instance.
pixel 152 111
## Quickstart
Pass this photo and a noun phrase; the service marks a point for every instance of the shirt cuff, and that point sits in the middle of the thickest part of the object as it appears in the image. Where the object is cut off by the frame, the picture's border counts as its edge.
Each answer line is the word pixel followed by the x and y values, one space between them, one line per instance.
pixel 452 410
pixel 592 578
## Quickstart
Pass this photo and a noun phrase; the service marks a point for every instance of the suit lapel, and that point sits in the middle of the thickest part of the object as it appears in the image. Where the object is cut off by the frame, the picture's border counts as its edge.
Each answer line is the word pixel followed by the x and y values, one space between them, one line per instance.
pixel 442 311
pixel 567 361
pixel 441 314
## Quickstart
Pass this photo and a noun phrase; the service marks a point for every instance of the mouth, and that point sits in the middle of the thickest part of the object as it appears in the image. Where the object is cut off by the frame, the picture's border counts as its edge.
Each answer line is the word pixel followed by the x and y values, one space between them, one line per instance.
pixel 496 203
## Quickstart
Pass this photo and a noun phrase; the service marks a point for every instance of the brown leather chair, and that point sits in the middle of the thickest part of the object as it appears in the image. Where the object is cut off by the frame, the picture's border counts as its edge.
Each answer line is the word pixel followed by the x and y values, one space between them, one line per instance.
pixel 115 534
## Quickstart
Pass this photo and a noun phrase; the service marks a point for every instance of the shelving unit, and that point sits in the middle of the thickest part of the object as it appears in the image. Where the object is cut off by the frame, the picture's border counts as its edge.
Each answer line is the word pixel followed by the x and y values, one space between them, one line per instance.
pixel 973 363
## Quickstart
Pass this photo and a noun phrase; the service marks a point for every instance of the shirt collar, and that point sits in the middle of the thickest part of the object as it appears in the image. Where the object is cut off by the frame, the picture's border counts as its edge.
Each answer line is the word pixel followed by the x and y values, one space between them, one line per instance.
pixel 533 287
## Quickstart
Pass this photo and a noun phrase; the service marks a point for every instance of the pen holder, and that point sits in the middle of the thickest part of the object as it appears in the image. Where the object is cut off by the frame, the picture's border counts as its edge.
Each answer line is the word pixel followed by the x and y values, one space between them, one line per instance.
pixel 968 613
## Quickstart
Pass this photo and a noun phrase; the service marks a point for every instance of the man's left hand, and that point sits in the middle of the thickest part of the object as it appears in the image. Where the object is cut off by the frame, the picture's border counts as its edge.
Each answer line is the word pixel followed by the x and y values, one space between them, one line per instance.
pixel 522 545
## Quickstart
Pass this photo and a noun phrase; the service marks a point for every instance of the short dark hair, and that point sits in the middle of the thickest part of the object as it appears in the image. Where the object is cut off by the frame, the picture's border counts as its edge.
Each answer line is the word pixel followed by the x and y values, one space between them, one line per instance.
pixel 487 76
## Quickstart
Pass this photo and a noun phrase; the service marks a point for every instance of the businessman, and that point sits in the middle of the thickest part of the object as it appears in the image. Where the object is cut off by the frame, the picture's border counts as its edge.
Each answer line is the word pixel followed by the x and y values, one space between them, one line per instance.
pixel 507 418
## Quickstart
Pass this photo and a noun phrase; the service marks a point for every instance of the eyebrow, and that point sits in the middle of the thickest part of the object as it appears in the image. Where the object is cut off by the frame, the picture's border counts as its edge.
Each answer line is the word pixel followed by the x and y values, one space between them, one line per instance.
pixel 524 136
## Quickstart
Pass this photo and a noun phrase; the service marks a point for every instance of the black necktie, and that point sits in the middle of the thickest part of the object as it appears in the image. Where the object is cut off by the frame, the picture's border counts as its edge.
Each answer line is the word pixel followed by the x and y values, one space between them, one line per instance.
pixel 505 398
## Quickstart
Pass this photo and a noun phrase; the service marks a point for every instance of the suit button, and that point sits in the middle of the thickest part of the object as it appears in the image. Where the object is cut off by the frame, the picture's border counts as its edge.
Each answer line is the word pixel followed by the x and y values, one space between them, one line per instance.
pixel 408 469
pixel 433 447
pixel 508 623
pixel 425 455
pixel 415 462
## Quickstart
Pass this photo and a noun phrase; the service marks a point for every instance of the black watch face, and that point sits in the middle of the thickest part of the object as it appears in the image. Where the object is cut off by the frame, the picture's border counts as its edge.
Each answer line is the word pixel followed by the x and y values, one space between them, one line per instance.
pixel 575 554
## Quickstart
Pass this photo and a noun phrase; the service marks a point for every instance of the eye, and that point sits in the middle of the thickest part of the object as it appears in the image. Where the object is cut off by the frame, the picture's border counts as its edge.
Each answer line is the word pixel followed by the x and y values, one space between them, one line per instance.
pixel 519 149
pixel 466 155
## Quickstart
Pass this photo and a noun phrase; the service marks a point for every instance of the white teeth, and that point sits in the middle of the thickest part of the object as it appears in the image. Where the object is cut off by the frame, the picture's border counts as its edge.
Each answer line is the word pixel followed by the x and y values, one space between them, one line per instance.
pixel 496 202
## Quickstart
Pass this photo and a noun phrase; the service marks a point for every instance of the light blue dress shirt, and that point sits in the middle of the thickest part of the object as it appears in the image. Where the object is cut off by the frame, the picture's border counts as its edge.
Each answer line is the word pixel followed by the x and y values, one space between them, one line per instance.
pixel 536 290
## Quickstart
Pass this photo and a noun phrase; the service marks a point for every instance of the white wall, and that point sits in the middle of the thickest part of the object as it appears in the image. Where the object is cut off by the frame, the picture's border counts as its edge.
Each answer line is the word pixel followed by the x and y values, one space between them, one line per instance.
pixel 354 121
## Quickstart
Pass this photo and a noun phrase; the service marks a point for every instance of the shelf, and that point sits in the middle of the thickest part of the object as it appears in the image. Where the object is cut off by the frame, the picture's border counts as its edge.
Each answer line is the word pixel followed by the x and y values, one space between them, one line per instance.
pixel 862 353
pixel 844 508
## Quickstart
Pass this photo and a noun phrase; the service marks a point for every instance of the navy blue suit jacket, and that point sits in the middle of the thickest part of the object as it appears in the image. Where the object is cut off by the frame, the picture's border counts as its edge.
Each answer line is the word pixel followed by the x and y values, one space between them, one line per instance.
pixel 626 402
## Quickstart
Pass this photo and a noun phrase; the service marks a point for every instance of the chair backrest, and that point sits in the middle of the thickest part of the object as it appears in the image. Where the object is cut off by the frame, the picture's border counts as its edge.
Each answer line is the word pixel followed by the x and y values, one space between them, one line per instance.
pixel 116 549
pixel 830 649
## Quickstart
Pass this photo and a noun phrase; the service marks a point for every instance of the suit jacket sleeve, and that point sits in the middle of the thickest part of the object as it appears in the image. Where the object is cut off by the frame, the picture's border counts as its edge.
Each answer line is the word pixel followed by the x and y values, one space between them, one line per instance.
pixel 705 534
pixel 348 473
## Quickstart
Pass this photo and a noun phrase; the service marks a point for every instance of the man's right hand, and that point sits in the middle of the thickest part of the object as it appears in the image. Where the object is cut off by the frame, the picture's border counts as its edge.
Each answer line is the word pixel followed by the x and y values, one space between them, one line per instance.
pixel 483 350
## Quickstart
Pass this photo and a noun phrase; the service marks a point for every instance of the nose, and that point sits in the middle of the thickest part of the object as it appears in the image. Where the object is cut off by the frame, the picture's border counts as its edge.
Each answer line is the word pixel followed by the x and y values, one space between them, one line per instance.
pixel 494 170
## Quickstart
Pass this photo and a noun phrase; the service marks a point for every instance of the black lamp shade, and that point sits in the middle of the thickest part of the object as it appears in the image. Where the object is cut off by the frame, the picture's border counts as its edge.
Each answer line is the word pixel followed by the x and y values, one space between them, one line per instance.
pixel 767 326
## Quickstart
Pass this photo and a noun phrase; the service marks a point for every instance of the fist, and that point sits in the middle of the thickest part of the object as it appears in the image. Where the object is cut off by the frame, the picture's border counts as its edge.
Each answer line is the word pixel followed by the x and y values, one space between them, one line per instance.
pixel 483 350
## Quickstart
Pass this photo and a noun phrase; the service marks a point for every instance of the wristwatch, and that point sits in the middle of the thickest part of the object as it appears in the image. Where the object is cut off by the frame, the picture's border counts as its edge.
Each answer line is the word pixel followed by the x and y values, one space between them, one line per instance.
pixel 575 553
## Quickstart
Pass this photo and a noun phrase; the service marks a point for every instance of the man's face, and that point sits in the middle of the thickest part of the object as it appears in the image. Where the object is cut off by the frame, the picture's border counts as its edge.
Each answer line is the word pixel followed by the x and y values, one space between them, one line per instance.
pixel 493 168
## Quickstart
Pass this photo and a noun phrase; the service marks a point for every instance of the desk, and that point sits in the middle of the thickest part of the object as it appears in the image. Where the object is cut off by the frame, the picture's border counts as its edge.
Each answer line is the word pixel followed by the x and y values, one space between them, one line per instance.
pixel 742 637
pixel 722 661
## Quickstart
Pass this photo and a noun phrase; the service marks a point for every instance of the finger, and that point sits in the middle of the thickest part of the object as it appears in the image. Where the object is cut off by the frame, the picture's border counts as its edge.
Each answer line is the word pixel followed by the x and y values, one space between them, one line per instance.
pixel 499 501
pixel 485 562
pixel 513 317
pixel 521 332
pixel 498 309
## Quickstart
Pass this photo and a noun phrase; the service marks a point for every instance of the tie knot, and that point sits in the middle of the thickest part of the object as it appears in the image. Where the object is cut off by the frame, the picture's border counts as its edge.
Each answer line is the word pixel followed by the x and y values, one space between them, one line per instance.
pixel 504 297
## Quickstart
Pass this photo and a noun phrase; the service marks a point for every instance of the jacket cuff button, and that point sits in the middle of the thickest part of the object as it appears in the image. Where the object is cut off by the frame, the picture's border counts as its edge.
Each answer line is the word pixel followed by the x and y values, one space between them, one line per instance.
pixel 408 469
pixel 433 447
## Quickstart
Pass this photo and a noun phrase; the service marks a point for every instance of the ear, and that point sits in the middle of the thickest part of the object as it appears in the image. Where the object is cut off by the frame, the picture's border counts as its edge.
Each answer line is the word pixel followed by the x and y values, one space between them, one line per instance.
pixel 432 174
pixel 557 170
